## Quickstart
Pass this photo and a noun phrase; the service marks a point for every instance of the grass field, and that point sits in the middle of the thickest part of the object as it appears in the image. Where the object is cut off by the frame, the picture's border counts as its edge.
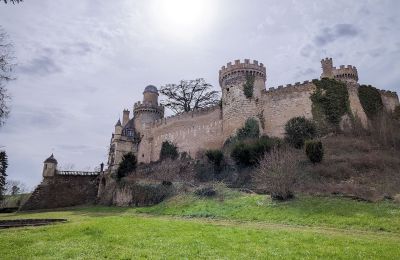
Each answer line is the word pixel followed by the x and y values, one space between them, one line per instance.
pixel 240 226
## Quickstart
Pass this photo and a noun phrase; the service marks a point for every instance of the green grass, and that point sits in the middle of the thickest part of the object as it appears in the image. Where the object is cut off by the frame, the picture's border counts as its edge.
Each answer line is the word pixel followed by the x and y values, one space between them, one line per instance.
pixel 307 211
pixel 304 228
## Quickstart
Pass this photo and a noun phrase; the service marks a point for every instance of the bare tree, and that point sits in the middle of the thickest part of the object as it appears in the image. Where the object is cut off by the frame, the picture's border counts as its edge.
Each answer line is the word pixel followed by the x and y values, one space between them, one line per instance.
pixel 14 187
pixel 6 67
pixel 189 95
pixel 277 172
pixel 13 1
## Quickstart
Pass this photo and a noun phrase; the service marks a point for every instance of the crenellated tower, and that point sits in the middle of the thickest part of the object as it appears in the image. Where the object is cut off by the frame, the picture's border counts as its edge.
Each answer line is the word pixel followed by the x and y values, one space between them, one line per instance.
pixel 347 74
pixel 149 110
pixel 236 106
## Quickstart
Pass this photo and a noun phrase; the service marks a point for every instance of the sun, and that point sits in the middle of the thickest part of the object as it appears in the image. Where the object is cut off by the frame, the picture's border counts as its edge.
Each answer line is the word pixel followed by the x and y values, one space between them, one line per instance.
pixel 183 18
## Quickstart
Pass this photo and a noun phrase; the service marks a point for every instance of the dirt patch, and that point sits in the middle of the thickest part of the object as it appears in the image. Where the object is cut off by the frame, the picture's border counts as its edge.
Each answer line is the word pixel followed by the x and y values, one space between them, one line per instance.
pixel 28 222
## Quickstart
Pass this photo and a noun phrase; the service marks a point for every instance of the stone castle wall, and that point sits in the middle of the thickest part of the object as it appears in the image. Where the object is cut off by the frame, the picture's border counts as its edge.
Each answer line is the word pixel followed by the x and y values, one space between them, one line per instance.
pixel 62 191
pixel 191 132
pixel 389 99
pixel 283 103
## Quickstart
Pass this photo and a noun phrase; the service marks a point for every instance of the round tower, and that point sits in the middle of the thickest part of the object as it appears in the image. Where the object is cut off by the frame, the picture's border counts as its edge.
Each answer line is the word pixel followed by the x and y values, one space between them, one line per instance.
pixel 148 111
pixel 50 166
pixel 327 68
pixel 237 104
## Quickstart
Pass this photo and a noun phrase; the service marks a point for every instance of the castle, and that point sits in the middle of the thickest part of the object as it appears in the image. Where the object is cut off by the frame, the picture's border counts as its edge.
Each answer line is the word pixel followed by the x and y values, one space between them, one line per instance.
pixel 144 133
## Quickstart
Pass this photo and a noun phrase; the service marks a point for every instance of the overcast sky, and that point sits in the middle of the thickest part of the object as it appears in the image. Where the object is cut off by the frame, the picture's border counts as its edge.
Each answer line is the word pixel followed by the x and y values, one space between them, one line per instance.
pixel 80 63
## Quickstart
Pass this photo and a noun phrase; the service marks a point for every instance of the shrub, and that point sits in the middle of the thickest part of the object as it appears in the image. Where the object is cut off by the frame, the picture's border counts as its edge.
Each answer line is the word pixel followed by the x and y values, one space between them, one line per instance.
pixel 314 151
pixel 299 129
pixel 330 102
pixel 276 173
pixel 216 157
pixel 249 153
pixel 168 150
pixel 250 130
pixel 248 87
pixel 370 100
pixel 208 191
pixel 127 165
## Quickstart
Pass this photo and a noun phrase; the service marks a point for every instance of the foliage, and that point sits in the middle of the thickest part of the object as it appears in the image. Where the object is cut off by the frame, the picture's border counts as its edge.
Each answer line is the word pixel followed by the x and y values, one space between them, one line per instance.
pixel 13 1
pixel 314 151
pixel 3 169
pixel 330 101
pixel 370 100
pixel 168 150
pixel 276 173
pixel 127 165
pixel 299 129
pixel 248 153
pixel 207 191
pixel 189 95
pixel 250 130
pixel 6 67
pixel 248 86
pixel 216 157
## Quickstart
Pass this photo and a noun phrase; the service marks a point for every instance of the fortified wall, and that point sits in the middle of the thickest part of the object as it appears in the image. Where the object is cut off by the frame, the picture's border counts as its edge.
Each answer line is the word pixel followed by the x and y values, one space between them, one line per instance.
pixel 210 128
pixel 62 188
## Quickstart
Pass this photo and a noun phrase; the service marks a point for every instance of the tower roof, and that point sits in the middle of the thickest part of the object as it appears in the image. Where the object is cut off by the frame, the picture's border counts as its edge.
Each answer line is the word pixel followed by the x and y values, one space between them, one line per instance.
pixel 151 88
pixel 118 123
pixel 51 159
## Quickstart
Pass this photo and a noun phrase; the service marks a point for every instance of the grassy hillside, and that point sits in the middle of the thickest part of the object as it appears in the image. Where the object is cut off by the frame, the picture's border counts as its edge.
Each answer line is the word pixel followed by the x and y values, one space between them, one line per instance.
pixel 242 226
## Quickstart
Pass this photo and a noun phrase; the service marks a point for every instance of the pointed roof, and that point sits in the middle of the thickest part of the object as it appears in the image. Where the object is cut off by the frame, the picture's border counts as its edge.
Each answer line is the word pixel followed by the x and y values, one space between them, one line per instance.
pixel 51 159
pixel 118 123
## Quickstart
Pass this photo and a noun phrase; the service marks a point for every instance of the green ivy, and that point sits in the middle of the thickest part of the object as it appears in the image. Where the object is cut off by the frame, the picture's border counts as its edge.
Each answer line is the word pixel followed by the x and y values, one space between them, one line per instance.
pixel 330 102
pixel 250 130
pixel 248 87
pixel 370 100
pixel 168 150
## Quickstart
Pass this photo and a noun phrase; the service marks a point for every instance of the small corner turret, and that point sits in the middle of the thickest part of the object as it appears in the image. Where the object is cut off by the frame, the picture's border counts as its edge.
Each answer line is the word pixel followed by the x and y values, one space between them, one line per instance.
pixel 347 74
pixel 50 166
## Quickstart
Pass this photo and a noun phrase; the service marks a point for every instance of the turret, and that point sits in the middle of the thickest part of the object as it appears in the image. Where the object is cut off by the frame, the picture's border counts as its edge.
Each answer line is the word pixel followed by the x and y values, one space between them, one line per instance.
pixel 50 166
pixel 148 111
pixel 118 128
pixel 327 68
pixel 232 79
pixel 125 117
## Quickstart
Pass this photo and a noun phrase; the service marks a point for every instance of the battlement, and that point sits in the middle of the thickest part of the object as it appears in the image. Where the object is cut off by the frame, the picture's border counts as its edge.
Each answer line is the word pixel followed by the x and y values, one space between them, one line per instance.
pixel 139 106
pixel 388 93
pixel 184 115
pixel 253 68
pixel 290 88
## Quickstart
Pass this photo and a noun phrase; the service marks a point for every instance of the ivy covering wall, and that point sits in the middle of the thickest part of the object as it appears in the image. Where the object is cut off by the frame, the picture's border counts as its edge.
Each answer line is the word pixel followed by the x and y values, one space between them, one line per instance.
pixel 370 99
pixel 330 102
pixel 248 87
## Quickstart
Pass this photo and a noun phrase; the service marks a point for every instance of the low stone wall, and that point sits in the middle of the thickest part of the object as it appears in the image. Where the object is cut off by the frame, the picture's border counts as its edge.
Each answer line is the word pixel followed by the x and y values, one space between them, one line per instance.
pixel 62 191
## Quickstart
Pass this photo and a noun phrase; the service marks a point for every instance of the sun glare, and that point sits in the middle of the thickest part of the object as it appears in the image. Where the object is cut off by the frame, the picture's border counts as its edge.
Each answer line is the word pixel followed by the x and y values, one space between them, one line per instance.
pixel 183 18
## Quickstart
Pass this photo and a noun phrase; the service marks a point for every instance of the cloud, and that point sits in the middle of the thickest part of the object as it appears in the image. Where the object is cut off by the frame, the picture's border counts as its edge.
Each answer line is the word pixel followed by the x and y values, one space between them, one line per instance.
pixel 43 65
pixel 339 31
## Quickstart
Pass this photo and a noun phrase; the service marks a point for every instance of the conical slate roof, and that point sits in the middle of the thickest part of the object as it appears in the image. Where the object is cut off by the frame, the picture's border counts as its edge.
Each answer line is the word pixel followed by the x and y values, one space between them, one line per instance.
pixel 118 123
pixel 51 159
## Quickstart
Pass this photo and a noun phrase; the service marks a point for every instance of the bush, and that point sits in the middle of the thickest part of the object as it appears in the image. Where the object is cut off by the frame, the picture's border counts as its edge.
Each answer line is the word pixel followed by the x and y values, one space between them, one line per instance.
pixel 370 100
pixel 299 129
pixel 168 150
pixel 249 153
pixel 216 157
pixel 208 191
pixel 276 173
pixel 314 151
pixel 127 165
pixel 250 130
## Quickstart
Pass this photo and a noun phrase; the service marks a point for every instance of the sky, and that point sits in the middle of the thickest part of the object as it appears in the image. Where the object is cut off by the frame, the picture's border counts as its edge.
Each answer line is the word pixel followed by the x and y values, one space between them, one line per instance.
pixel 80 63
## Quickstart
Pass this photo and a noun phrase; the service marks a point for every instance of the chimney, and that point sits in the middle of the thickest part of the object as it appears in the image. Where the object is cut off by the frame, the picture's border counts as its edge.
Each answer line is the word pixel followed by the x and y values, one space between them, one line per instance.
pixel 125 117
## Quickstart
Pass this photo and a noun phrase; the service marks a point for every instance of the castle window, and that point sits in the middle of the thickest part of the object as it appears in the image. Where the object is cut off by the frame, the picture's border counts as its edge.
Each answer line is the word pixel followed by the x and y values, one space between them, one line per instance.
pixel 142 154
pixel 227 89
